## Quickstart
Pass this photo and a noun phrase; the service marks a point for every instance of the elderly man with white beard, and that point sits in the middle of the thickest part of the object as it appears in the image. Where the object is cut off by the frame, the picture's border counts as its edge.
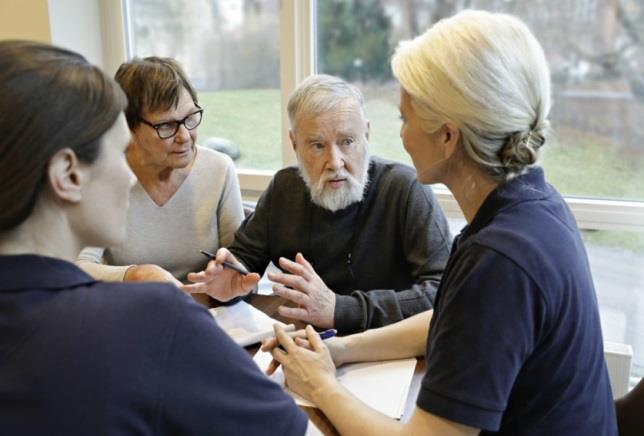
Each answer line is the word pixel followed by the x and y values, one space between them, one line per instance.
pixel 360 241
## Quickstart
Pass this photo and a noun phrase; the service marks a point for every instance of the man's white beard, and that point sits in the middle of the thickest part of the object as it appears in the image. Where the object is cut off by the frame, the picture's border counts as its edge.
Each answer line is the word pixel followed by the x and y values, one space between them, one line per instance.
pixel 351 191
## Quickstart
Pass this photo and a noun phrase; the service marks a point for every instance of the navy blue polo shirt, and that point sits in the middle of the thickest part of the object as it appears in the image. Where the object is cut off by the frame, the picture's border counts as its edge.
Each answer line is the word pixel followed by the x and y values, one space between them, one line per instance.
pixel 80 357
pixel 515 343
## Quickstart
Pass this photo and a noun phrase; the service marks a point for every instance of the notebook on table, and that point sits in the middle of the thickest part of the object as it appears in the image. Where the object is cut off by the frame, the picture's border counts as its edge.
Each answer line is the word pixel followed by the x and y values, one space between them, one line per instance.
pixel 382 385
pixel 245 324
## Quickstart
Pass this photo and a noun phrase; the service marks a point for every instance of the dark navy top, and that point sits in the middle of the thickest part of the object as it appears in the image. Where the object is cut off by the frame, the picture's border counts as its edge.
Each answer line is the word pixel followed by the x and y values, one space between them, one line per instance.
pixel 81 357
pixel 515 343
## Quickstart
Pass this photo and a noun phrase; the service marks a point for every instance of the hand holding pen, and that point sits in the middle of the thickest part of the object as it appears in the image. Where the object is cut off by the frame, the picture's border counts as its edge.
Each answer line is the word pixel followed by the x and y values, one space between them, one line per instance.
pixel 307 362
pixel 223 278
pixel 225 263
pixel 300 339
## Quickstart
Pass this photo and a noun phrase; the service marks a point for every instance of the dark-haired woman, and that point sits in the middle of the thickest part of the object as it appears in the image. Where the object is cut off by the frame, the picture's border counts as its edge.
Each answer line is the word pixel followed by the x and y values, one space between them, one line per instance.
pixel 78 356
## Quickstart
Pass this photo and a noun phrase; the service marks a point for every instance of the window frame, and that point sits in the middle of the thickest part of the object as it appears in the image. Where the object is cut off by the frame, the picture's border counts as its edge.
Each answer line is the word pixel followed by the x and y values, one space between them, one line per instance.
pixel 297 61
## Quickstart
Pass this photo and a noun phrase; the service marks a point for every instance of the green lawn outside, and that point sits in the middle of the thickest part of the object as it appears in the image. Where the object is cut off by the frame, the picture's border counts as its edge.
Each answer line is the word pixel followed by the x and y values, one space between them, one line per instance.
pixel 577 163
pixel 250 118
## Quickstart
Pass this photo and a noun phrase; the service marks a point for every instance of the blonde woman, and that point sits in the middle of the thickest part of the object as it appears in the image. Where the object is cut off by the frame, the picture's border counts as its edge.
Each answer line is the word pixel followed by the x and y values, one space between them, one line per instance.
pixel 514 346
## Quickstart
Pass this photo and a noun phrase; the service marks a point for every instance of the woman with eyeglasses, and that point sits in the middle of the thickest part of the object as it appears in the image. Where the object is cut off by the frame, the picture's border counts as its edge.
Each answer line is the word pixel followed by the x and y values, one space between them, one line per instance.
pixel 186 197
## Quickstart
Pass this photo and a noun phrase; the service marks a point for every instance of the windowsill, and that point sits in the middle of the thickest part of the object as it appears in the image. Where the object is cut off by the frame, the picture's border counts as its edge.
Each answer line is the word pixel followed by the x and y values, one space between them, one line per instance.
pixel 590 213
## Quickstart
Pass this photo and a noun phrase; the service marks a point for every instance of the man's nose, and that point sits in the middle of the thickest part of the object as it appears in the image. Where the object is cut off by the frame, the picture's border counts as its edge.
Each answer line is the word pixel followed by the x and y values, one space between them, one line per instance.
pixel 336 158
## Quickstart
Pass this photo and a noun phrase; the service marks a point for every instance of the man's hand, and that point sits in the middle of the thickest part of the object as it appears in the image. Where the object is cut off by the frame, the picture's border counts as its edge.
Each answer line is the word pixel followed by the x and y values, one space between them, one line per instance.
pixel 149 273
pixel 316 302
pixel 221 283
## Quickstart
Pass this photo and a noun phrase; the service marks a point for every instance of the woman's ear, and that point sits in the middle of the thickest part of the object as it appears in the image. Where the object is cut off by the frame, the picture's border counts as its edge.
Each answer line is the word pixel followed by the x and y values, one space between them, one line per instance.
pixel 65 175
pixel 451 135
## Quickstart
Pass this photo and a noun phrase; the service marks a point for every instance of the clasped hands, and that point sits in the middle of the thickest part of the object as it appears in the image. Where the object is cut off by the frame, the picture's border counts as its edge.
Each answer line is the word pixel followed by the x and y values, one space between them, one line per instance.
pixel 308 362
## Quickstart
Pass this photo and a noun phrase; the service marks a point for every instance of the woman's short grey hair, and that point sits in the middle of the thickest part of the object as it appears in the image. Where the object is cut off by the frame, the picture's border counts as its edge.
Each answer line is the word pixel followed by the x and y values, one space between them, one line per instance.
pixel 488 74
pixel 320 93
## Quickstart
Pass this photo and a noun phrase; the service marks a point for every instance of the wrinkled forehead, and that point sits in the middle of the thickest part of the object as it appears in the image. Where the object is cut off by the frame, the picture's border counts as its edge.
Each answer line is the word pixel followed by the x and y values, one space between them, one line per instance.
pixel 343 118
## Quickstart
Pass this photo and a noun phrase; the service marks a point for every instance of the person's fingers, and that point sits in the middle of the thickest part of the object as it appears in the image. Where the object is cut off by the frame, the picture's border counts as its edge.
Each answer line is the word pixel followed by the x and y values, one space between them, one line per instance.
pixel 268 344
pixel 296 297
pixel 284 340
pixel 223 254
pixel 293 313
pixel 212 268
pixel 279 355
pixel 314 338
pixel 290 280
pixel 294 268
pixel 196 288
pixel 299 258
pixel 197 277
pixel 250 280
pixel 272 367
pixel 304 343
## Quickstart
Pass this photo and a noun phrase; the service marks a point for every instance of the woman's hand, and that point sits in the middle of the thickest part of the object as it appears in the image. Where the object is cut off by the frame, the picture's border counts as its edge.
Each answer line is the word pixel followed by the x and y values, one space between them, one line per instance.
pixel 335 345
pixel 306 370
pixel 219 282
pixel 149 273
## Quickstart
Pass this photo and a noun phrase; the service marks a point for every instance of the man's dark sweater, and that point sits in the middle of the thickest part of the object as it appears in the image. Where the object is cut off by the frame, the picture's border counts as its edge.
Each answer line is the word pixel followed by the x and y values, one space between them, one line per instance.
pixel 383 256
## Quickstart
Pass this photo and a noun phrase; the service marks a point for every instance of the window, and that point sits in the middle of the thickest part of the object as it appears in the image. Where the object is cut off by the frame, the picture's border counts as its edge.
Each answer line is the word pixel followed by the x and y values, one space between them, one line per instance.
pixel 597 76
pixel 230 51
pixel 598 105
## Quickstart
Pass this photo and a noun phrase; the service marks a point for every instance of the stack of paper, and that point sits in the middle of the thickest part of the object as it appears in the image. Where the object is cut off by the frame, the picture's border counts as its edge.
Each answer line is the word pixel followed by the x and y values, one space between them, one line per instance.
pixel 383 385
pixel 245 324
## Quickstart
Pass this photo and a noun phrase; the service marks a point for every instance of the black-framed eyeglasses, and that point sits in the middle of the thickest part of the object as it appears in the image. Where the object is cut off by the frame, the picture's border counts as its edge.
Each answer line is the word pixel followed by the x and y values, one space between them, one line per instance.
pixel 169 129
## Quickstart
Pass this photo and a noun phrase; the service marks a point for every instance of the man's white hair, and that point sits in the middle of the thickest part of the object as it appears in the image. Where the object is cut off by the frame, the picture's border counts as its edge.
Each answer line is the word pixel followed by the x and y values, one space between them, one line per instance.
pixel 321 93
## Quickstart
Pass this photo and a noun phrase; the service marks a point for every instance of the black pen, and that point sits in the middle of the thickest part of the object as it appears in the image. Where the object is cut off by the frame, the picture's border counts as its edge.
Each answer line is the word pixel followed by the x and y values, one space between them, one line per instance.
pixel 226 264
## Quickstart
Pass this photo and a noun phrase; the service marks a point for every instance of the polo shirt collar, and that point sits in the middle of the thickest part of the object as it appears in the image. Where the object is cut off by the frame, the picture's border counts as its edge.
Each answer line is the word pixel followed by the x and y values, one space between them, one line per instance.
pixel 526 187
pixel 28 271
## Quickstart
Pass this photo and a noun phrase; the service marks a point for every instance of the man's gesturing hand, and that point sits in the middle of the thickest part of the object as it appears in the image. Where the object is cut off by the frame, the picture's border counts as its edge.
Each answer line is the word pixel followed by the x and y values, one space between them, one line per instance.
pixel 304 287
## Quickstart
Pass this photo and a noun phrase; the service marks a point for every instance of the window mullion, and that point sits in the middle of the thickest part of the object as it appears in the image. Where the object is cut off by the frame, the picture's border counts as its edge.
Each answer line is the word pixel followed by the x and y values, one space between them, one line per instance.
pixel 296 57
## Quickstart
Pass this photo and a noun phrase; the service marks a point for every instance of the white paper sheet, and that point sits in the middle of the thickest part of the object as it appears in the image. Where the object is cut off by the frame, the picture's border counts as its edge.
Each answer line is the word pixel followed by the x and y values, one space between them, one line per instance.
pixel 245 324
pixel 265 286
pixel 382 385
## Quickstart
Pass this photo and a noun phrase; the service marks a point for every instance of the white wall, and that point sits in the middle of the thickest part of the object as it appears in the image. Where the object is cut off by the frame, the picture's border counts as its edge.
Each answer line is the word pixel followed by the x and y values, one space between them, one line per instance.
pixel 76 24
pixel 90 27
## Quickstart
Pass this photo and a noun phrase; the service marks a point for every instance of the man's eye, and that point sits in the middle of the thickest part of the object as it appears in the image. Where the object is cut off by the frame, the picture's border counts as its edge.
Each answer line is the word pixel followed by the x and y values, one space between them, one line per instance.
pixel 317 146
pixel 347 142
